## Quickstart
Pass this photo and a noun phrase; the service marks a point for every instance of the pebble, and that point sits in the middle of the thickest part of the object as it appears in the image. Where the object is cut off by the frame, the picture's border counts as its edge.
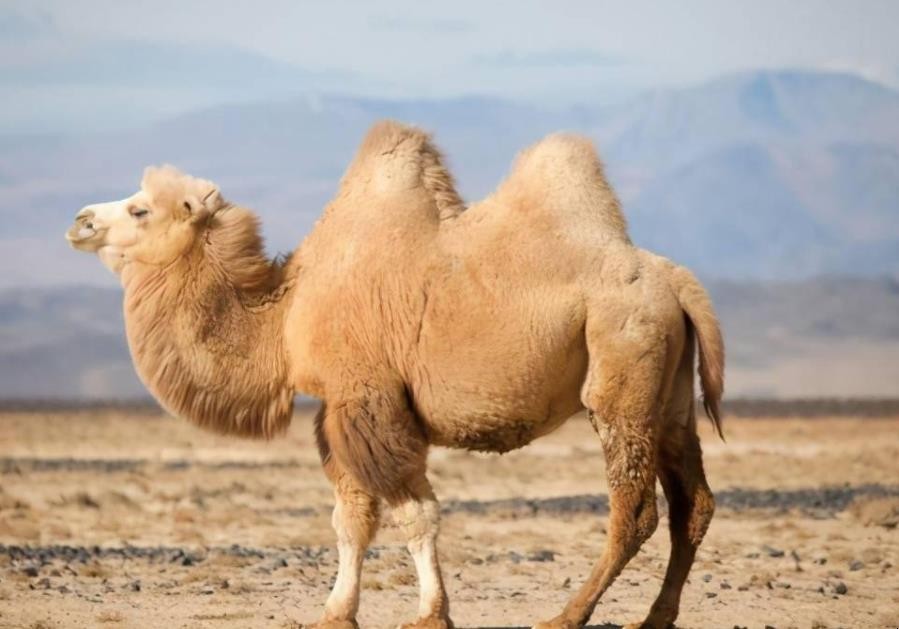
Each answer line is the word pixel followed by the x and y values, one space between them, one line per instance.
pixel 773 552
pixel 706 577
pixel 710 594
pixel 725 585
pixel 841 588
pixel 856 565
pixel 542 555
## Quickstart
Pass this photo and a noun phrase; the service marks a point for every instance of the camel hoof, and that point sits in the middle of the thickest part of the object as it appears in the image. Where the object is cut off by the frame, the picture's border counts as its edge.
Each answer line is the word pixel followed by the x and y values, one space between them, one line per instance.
pixel 556 623
pixel 333 624
pixel 429 622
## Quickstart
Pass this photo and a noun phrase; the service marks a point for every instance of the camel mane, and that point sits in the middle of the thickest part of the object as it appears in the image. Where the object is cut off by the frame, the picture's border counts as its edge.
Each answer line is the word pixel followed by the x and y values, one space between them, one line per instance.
pixel 233 242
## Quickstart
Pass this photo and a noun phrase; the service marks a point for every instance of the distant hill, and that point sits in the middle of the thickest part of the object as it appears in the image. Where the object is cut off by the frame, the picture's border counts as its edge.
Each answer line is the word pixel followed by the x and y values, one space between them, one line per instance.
pixel 826 337
pixel 762 175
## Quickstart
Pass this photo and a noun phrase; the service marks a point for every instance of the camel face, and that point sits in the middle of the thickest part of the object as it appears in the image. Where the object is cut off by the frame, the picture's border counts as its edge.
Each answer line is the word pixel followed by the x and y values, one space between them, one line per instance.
pixel 153 226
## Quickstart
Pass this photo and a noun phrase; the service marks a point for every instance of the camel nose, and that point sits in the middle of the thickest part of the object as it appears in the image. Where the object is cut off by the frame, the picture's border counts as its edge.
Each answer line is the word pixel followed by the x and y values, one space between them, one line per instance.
pixel 82 234
pixel 85 217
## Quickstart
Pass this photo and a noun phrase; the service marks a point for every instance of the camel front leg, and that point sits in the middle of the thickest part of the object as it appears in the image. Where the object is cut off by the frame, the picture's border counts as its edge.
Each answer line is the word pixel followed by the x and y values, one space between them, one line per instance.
pixel 418 517
pixel 355 519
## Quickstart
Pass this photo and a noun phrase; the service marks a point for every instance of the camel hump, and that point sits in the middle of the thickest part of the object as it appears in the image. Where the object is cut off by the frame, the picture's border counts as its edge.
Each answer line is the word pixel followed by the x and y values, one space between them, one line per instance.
pixel 563 173
pixel 395 157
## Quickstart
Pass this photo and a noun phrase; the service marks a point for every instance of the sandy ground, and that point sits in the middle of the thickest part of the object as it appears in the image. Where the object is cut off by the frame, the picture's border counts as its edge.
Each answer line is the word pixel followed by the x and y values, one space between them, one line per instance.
pixel 109 519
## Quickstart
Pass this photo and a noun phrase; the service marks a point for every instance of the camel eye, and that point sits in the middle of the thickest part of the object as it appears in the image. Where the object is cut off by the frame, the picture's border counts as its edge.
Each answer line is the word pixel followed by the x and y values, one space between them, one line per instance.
pixel 139 212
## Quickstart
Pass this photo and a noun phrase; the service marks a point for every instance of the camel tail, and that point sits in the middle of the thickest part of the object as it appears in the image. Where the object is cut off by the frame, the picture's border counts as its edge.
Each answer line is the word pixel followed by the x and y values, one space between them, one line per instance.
pixel 698 306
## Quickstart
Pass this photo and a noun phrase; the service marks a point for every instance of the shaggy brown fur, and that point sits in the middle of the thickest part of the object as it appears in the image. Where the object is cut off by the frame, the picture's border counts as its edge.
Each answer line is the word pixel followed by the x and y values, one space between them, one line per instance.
pixel 205 327
pixel 419 321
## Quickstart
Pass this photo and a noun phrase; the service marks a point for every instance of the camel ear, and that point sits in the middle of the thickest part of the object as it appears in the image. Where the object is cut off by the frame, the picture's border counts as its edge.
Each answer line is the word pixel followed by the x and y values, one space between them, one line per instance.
pixel 205 203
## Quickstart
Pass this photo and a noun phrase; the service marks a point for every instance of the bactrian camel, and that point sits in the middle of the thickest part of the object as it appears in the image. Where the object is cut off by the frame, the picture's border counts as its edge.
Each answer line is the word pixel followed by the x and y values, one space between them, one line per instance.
pixel 416 321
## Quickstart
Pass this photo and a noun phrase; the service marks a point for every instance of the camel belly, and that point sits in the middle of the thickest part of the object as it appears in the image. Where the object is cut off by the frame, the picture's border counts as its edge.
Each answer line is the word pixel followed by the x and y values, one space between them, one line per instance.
pixel 497 408
pixel 486 433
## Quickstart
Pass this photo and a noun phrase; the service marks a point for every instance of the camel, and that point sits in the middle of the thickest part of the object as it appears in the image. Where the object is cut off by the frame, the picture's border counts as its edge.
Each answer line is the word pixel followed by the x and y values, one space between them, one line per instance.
pixel 418 321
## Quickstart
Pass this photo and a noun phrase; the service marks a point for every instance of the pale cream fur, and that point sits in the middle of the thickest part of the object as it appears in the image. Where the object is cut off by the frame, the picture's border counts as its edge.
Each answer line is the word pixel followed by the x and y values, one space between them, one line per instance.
pixel 419 321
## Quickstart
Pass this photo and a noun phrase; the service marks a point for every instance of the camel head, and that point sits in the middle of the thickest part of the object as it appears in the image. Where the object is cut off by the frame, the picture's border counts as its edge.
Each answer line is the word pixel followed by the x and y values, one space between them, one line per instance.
pixel 154 226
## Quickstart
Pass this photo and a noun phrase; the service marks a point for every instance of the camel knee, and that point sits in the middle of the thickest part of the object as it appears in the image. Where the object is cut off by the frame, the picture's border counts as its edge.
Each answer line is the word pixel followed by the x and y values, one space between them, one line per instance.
pixel 356 515
pixel 418 520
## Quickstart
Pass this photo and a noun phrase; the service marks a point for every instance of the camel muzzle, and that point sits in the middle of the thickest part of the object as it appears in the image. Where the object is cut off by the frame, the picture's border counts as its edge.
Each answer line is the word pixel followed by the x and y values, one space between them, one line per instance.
pixel 84 234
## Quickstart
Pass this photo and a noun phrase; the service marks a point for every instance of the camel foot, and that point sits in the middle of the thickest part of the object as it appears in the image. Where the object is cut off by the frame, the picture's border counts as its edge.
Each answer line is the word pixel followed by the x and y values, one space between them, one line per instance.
pixel 325 623
pixel 556 623
pixel 429 622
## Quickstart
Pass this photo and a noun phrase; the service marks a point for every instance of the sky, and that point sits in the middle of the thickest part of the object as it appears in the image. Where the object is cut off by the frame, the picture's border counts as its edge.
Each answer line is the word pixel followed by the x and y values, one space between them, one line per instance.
pixel 97 64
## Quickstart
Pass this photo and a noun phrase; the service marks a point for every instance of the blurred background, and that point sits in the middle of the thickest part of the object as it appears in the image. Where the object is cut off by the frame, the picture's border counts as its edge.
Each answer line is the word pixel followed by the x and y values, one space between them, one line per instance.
pixel 757 143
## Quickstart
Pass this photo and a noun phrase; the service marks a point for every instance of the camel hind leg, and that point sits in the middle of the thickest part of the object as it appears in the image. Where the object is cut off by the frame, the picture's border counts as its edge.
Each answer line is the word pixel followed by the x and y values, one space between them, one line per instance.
pixel 690 501
pixel 690 510
pixel 621 394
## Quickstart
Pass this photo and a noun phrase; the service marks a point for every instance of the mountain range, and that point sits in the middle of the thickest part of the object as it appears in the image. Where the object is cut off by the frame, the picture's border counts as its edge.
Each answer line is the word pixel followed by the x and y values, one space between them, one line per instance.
pixel 764 175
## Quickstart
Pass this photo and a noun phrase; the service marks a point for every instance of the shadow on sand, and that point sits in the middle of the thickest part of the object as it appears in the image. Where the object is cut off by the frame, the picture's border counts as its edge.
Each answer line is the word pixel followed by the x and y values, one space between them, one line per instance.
pixel 606 626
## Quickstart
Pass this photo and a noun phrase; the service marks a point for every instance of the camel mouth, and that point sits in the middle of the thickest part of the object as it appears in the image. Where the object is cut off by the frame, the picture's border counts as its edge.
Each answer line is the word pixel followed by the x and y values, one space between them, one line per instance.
pixel 84 235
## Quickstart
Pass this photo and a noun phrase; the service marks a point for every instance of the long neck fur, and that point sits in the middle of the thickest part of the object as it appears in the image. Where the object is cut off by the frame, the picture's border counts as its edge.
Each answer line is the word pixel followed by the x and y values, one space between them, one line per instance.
pixel 206 331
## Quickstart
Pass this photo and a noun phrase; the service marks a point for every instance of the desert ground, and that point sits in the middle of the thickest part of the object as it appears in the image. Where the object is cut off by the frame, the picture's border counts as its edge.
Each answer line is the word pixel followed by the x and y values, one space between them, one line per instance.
pixel 117 518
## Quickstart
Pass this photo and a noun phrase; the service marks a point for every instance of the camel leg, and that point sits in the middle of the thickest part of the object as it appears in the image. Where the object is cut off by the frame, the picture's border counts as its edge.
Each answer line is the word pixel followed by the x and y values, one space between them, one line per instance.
pixel 418 518
pixel 690 501
pixel 690 510
pixel 355 519
pixel 621 395
pixel 380 443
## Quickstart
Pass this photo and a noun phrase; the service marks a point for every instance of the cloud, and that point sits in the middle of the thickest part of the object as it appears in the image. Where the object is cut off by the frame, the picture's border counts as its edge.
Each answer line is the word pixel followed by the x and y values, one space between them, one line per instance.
pixel 549 58
pixel 426 25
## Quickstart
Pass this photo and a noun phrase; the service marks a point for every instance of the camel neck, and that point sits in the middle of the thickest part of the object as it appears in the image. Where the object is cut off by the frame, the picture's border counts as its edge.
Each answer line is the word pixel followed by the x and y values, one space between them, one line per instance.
pixel 209 351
